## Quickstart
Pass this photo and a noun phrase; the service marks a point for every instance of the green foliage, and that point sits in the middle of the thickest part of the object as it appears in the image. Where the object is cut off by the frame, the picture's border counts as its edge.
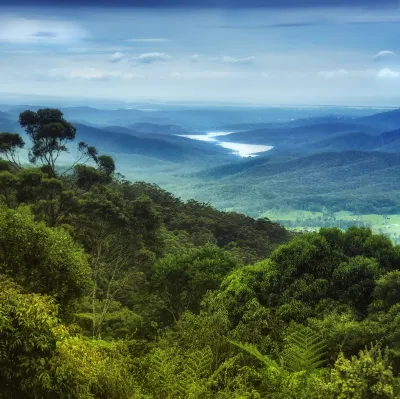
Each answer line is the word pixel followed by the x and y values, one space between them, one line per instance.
pixel 42 259
pixel 184 279
pixel 49 133
pixel 368 376
pixel 106 165
pixel 305 350
pixel 27 340
pixel 9 144
pixel 387 290
pixel 155 298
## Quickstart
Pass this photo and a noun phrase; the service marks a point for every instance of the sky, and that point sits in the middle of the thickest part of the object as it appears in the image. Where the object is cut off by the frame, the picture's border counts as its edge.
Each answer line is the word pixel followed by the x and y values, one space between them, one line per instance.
pixel 270 52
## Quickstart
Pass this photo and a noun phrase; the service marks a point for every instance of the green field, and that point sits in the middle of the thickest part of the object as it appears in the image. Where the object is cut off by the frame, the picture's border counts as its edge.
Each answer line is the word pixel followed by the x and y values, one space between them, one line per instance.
pixel 298 220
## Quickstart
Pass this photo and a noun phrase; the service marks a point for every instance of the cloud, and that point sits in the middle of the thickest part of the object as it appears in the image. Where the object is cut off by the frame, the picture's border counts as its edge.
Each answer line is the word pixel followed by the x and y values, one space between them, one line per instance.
pixel 388 73
pixel 233 60
pixel 333 74
pixel 195 57
pixel 87 73
pixel 195 4
pixel 148 40
pixel 383 55
pixel 275 25
pixel 149 58
pixel 116 57
pixel 45 34
pixel 197 75
pixel 22 30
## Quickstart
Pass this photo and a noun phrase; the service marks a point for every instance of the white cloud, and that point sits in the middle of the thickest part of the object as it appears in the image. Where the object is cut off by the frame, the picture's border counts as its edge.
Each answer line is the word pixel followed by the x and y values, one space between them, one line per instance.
pixel 334 73
pixel 388 73
pixel 264 74
pixel 116 57
pixel 233 60
pixel 21 30
pixel 87 73
pixel 194 57
pixel 149 58
pixel 148 40
pixel 196 75
pixel 383 55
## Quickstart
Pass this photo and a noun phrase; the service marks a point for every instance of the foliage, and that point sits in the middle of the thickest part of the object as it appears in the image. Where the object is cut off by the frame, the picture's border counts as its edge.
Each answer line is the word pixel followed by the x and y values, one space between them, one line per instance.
pixel 113 289
pixel 9 144
pixel 42 259
pixel 49 133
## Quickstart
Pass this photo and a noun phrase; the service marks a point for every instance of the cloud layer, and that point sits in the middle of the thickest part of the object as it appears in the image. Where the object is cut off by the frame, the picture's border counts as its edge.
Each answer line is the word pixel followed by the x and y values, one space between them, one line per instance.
pixel 383 55
pixel 149 58
pixel 22 30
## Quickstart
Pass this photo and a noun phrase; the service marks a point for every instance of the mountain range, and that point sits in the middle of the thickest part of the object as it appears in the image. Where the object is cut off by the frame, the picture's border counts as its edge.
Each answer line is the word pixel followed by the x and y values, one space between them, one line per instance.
pixel 348 161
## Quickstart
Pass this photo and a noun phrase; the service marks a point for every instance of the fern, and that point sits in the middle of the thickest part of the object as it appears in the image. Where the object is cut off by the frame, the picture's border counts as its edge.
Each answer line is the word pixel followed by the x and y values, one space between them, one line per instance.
pixel 163 370
pixel 197 367
pixel 305 350
pixel 253 351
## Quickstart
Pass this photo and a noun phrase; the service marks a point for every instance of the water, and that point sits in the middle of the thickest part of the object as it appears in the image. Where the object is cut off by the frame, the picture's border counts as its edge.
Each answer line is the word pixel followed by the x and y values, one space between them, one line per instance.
pixel 239 149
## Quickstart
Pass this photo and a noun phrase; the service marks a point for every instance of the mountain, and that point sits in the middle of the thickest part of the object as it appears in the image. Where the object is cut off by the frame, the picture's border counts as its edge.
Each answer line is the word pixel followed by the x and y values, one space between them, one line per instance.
pixel 386 142
pixel 9 125
pixel 365 182
pixel 389 120
pixel 152 128
pixel 291 123
pixel 177 149
pixel 289 137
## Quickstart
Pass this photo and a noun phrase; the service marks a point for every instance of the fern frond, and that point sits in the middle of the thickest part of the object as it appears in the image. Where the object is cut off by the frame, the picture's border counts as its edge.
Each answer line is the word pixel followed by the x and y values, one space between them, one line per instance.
pixel 306 350
pixel 253 351
pixel 226 365
pixel 197 366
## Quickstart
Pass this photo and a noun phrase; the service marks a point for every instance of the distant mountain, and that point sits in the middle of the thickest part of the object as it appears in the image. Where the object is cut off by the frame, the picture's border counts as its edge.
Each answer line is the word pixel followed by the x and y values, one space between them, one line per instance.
pixel 9 125
pixel 316 120
pixel 176 150
pixel 16 110
pixel 6 115
pixel 292 137
pixel 104 116
pixel 389 120
pixel 386 142
pixel 366 182
pixel 152 128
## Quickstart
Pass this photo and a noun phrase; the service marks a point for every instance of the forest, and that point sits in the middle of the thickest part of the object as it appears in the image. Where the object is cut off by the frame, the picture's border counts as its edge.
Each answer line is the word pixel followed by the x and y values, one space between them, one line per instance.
pixel 118 289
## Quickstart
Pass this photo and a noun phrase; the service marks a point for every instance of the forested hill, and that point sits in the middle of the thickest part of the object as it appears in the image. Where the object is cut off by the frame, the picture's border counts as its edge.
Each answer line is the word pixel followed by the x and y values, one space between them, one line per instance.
pixel 113 289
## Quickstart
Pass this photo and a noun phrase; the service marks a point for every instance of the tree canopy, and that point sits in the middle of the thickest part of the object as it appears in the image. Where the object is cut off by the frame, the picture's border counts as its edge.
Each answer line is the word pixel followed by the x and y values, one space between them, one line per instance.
pixel 114 289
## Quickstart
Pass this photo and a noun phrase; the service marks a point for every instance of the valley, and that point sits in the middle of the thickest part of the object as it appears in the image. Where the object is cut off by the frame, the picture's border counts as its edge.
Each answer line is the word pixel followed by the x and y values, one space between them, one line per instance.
pixel 256 161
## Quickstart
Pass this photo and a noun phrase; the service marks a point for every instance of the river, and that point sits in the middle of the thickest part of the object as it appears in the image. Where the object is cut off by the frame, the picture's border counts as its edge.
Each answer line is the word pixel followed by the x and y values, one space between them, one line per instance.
pixel 242 150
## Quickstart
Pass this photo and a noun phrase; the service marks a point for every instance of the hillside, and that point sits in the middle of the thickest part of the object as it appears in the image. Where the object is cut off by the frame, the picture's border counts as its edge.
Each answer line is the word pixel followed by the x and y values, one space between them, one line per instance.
pixel 173 149
pixel 364 182
pixel 389 120
pixel 117 289
pixel 287 136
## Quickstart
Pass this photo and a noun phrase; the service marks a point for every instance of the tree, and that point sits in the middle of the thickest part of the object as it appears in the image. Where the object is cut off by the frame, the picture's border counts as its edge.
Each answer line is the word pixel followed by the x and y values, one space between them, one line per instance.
pixel 40 358
pixel 106 165
pixel 9 144
pixel 184 279
pixel 368 376
pixel 41 259
pixel 49 133
pixel 27 341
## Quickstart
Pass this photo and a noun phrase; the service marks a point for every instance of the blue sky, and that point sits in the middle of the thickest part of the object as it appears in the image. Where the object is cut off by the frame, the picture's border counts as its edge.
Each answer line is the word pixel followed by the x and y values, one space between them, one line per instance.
pixel 259 55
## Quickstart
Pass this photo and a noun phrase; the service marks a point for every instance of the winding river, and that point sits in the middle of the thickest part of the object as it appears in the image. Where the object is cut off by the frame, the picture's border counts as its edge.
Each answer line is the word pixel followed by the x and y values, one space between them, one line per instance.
pixel 239 149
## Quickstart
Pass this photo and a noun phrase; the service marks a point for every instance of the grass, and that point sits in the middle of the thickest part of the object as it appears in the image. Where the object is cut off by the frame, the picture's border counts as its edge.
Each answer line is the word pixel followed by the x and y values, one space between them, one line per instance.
pixel 300 220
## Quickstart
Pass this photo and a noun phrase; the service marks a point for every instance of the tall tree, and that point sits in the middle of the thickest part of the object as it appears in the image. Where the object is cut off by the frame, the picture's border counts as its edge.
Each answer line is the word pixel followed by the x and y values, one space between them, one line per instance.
pixel 9 144
pixel 50 133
